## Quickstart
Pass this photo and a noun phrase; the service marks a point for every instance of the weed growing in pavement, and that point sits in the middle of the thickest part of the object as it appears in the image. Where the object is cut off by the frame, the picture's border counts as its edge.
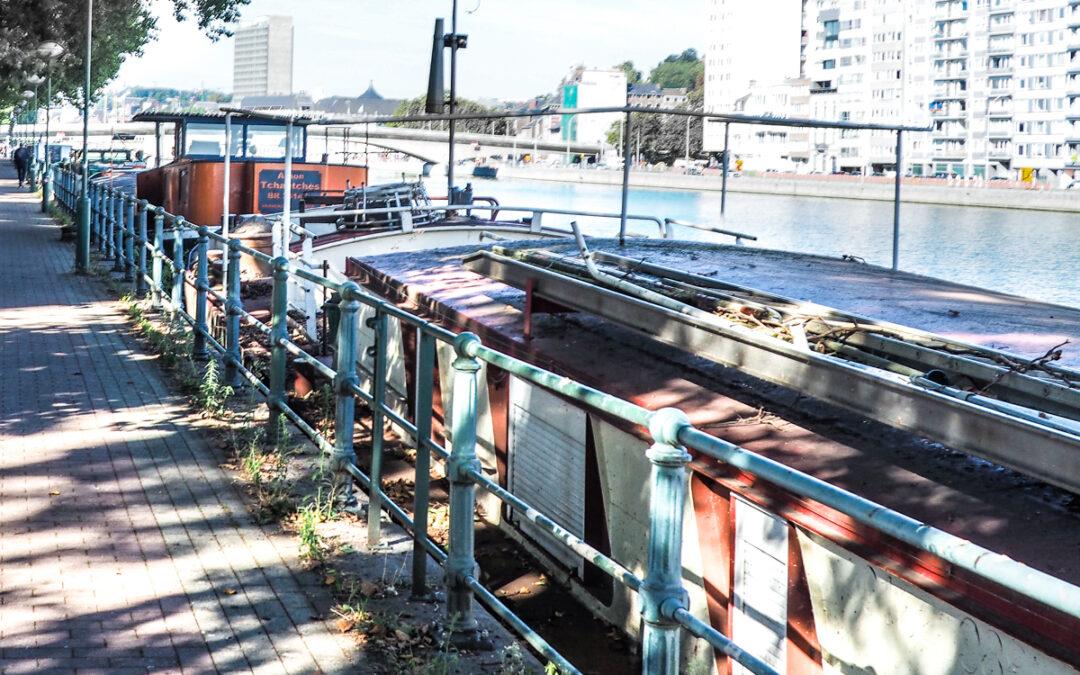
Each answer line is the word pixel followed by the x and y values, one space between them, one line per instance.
pixel 511 660
pixel 266 473
pixel 312 546
pixel 212 395
pixel 60 215
pixel 325 410
pixel 282 435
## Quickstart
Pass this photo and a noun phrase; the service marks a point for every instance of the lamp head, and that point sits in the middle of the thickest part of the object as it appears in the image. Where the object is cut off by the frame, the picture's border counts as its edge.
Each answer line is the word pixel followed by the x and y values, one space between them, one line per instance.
pixel 49 50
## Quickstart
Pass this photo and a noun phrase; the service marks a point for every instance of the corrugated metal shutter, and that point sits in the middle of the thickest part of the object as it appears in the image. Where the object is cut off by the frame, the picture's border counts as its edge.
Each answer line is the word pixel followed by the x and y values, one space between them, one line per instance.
pixel 547 462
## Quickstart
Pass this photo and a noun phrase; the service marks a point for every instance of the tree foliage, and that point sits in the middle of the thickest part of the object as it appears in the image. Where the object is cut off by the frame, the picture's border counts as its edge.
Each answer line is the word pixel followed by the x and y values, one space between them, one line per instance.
pixel 633 75
pixel 662 138
pixel 683 71
pixel 120 29
pixel 184 97
pixel 415 106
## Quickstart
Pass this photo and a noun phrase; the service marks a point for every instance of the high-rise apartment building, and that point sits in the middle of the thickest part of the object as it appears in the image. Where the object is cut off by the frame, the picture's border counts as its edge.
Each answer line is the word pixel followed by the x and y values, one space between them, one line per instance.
pixel 1003 94
pixel 867 61
pixel 998 80
pixel 753 61
pixel 263 57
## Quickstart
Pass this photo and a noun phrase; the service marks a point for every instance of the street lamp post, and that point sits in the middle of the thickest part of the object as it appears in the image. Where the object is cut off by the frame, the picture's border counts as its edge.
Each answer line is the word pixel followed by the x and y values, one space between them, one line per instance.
pixel 48 51
pixel 82 240
pixel 31 102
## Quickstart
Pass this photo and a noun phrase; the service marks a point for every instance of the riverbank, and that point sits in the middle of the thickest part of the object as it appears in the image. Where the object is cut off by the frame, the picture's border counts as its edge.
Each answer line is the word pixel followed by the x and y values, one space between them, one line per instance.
pixel 868 189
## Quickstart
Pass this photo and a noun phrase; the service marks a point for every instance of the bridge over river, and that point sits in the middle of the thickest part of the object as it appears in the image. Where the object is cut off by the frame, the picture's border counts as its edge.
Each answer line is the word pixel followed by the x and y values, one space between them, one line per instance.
pixel 425 145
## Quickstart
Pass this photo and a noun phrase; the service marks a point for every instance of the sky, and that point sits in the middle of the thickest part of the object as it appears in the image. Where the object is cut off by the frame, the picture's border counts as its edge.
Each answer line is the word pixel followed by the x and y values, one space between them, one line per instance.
pixel 517 48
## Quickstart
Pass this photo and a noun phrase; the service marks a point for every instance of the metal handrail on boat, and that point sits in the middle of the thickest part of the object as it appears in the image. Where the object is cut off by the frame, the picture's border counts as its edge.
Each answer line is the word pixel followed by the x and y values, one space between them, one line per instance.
pixel 535 223
pixel 122 236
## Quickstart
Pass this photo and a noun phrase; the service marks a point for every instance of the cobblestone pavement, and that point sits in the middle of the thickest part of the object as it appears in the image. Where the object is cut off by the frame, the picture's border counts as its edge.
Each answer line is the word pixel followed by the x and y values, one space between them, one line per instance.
pixel 123 545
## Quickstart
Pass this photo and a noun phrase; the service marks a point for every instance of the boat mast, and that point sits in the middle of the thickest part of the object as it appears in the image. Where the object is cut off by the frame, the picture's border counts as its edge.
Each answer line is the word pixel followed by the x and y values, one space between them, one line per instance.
pixel 453 102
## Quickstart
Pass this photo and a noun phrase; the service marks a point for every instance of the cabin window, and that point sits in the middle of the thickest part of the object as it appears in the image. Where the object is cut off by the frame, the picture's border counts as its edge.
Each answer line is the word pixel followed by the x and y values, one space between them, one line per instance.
pixel 268 142
pixel 206 140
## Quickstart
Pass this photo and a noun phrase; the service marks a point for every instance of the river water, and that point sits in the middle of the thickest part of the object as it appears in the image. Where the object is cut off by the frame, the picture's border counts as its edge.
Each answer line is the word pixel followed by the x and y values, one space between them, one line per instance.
pixel 1030 253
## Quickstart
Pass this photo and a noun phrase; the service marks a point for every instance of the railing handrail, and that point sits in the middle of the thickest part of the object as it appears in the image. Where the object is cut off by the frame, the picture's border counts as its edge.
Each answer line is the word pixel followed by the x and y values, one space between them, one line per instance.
pixel 669 429
pixel 312 215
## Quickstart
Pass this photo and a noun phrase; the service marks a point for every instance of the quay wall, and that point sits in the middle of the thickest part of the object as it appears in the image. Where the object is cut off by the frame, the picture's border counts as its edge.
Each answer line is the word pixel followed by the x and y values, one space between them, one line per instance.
pixel 875 189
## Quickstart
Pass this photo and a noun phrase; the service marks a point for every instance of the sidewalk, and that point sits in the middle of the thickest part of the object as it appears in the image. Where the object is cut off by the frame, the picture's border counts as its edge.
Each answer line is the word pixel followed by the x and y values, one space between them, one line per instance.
pixel 123 546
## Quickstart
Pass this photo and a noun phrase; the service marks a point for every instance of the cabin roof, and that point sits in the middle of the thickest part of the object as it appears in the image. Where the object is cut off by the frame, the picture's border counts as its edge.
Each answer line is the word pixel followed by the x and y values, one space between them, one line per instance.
pixel 1002 510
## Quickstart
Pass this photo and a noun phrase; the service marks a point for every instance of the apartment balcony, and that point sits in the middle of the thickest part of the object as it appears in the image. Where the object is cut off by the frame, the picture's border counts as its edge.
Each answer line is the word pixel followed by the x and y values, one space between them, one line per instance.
pixel 999 70
pixel 958 135
pixel 952 37
pixel 1001 48
pixel 949 114
pixel 947 75
pixel 954 55
pixel 996 153
pixel 958 154
pixel 950 94
pixel 1003 132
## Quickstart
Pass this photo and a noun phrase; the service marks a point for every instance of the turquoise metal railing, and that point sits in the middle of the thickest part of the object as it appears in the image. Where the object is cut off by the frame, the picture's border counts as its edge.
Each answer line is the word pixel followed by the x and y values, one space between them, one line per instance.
pixel 119 225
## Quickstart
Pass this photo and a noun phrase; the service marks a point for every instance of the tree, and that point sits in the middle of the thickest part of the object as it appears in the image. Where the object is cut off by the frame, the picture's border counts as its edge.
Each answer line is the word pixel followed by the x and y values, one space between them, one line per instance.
pixel 121 28
pixel 662 138
pixel 633 75
pixel 679 71
pixel 415 106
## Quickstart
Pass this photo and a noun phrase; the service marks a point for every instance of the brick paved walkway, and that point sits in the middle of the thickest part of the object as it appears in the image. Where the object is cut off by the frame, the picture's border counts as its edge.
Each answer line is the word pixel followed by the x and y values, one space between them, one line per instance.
pixel 123 546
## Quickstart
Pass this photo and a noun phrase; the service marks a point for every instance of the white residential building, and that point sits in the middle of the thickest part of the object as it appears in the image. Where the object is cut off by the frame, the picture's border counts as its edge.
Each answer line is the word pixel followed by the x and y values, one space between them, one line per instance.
pixel 752 61
pixel 998 80
pixel 591 88
pixel 867 61
pixel 1005 87
pixel 263 57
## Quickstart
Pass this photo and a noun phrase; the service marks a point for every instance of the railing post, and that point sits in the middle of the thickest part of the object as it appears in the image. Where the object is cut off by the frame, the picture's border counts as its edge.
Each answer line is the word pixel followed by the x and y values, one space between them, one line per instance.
pixel 378 392
pixel 461 561
pixel 102 217
pixel 629 125
pixel 156 261
pixel 896 202
pixel 234 304
pixel 663 592
pixel 179 268
pixel 140 241
pixel 344 381
pixel 82 229
pixel 425 381
pixel 46 185
pixel 110 212
pixel 95 209
pixel 118 232
pixel 129 240
pixel 202 284
pixel 279 333
pixel 724 163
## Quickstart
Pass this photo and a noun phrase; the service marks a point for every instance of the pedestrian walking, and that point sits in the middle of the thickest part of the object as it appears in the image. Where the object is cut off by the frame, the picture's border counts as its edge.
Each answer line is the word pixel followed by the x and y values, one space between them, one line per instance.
pixel 21 158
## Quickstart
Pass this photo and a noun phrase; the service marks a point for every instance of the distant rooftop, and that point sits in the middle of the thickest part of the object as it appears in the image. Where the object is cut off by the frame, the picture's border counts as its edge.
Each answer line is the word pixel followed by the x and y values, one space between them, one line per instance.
pixel 644 89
